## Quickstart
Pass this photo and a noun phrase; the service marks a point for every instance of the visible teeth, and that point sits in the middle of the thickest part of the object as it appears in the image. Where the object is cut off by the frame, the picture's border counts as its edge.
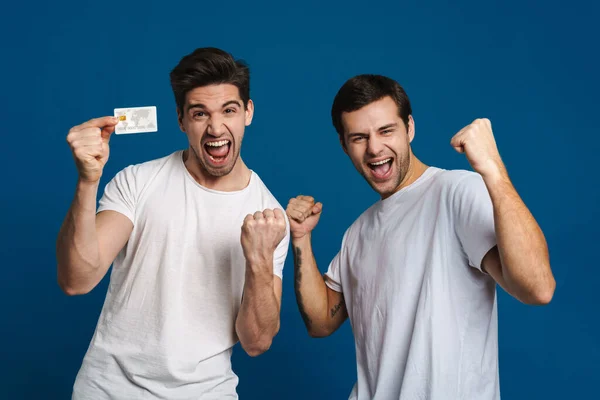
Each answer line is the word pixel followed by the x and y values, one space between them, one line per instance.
pixel 381 162
pixel 217 144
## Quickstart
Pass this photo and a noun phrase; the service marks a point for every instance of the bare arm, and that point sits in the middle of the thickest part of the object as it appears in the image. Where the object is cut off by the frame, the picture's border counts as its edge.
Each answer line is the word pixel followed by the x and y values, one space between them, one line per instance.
pixel 257 322
pixel 520 263
pixel 87 244
pixel 323 309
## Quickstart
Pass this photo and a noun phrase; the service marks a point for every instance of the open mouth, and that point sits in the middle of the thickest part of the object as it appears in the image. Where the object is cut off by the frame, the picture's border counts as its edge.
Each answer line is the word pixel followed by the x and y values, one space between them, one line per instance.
pixel 381 169
pixel 218 151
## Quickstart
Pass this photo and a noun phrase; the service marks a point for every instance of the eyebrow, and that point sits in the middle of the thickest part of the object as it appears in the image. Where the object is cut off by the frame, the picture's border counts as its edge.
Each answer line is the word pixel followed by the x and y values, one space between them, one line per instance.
pixel 202 106
pixel 383 128
pixel 388 126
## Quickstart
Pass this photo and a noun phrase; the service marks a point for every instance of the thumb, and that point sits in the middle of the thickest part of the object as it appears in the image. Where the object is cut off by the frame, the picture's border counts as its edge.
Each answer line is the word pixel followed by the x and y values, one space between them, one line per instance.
pixel 107 132
pixel 317 208
pixel 457 143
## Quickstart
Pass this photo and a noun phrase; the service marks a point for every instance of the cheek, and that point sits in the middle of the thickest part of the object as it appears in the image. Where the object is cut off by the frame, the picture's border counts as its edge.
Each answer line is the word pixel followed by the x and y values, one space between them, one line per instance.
pixel 399 146
pixel 236 127
pixel 356 154
pixel 193 131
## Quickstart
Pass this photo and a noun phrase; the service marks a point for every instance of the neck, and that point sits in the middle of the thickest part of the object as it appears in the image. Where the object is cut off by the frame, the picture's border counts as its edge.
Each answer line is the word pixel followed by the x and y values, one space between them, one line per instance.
pixel 415 169
pixel 237 179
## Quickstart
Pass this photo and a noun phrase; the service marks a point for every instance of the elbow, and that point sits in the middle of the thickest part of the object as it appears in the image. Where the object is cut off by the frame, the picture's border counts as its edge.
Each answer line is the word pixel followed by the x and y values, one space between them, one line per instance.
pixel 319 332
pixel 543 298
pixel 70 289
pixel 257 348
pixel 542 295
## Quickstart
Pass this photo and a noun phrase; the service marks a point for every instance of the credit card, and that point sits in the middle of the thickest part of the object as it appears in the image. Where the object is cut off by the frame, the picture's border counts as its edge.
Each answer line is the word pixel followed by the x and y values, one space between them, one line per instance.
pixel 136 120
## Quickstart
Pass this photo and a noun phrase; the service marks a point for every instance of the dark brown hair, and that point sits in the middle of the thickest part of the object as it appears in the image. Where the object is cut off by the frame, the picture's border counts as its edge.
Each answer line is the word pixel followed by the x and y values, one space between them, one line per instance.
pixel 362 90
pixel 208 66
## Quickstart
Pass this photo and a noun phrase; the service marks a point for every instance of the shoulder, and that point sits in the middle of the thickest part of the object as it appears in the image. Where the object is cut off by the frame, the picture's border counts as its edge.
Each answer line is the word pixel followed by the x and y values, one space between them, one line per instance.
pixel 266 197
pixel 145 170
pixel 454 178
pixel 457 182
pixel 364 222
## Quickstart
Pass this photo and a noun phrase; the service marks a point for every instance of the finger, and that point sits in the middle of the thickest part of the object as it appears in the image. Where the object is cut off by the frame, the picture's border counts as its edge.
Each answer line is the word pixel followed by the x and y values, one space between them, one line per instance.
pixel 317 208
pixel 457 140
pixel 258 215
pixel 87 141
pixel 278 213
pixel 459 149
pixel 269 214
pixel 305 211
pixel 306 198
pixel 74 136
pixel 84 152
pixel 98 123
pixel 296 215
pixel 106 132
pixel 248 218
pixel 303 204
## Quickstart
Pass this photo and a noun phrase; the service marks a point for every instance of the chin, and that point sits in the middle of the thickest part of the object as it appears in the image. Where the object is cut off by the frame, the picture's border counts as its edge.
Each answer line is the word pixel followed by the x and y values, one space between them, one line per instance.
pixel 219 171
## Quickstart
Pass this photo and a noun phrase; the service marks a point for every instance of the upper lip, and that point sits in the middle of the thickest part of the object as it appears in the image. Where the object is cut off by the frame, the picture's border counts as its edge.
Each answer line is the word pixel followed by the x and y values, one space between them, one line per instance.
pixel 378 160
pixel 216 140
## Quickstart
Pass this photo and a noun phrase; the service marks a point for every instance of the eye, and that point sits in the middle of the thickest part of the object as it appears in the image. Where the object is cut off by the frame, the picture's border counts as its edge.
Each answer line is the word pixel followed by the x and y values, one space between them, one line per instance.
pixel 198 114
pixel 387 131
pixel 230 111
pixel 357 139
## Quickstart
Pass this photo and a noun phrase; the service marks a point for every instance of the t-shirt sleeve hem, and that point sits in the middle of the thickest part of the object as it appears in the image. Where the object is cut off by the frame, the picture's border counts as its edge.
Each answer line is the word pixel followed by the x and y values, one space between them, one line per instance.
pixel 332 284
pixel 483 249
pixel 117 208
pixel 278 273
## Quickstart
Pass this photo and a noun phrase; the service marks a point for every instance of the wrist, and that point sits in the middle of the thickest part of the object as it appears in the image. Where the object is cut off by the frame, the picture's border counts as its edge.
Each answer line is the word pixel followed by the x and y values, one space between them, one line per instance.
pixel 86 184
pixel 494 172
pixel 259 271
pixel 302 240
pixel 258 261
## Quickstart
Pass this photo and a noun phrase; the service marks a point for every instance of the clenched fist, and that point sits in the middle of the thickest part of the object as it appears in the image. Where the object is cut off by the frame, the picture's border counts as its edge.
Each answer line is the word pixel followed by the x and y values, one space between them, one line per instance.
pixel 477 142
pixel 89 144
pixel 262 233
pixel 304 215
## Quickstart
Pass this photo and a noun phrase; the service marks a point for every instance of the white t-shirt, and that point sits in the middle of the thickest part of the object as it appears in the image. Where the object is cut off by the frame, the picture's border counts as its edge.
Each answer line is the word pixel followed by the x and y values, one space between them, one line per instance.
pixel 423 313
pixel 167 326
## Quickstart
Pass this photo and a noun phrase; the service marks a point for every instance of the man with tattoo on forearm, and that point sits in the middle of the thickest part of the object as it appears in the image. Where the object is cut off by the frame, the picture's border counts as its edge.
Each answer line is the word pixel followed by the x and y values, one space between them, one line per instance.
pixel 417 271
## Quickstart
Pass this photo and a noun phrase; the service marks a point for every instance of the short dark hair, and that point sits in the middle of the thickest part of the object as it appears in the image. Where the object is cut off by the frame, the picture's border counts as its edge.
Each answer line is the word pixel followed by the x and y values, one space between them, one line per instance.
pixel 208 66
pixel 365 89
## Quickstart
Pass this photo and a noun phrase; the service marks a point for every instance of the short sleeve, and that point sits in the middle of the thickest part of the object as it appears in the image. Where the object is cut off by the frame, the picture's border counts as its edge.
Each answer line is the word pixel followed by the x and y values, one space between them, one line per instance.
pixel 120 194
pixel 333 277
pixel 474 218
pixel 282 250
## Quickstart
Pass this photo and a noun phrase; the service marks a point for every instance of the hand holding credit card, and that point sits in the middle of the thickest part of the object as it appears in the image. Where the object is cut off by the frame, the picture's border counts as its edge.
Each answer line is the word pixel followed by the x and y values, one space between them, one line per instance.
pixel 136 120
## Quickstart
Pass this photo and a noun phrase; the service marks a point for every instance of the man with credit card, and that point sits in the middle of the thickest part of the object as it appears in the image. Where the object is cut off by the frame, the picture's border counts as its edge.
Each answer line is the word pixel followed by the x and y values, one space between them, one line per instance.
pixel 196 240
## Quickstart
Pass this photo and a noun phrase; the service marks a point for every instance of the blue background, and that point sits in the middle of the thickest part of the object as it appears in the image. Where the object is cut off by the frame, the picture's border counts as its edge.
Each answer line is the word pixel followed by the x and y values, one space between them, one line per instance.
pixel 531 67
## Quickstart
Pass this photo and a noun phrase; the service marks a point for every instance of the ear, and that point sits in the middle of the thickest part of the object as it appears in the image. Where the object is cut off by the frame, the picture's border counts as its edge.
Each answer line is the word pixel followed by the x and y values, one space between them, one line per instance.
pixel 249 112
pixel 411 128
pixel 343 143
pixel 180 120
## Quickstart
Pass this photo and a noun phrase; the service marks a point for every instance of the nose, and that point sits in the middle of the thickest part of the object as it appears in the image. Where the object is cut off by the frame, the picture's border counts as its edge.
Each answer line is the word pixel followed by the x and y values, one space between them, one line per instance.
pixel 216 127
pixel 374 146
